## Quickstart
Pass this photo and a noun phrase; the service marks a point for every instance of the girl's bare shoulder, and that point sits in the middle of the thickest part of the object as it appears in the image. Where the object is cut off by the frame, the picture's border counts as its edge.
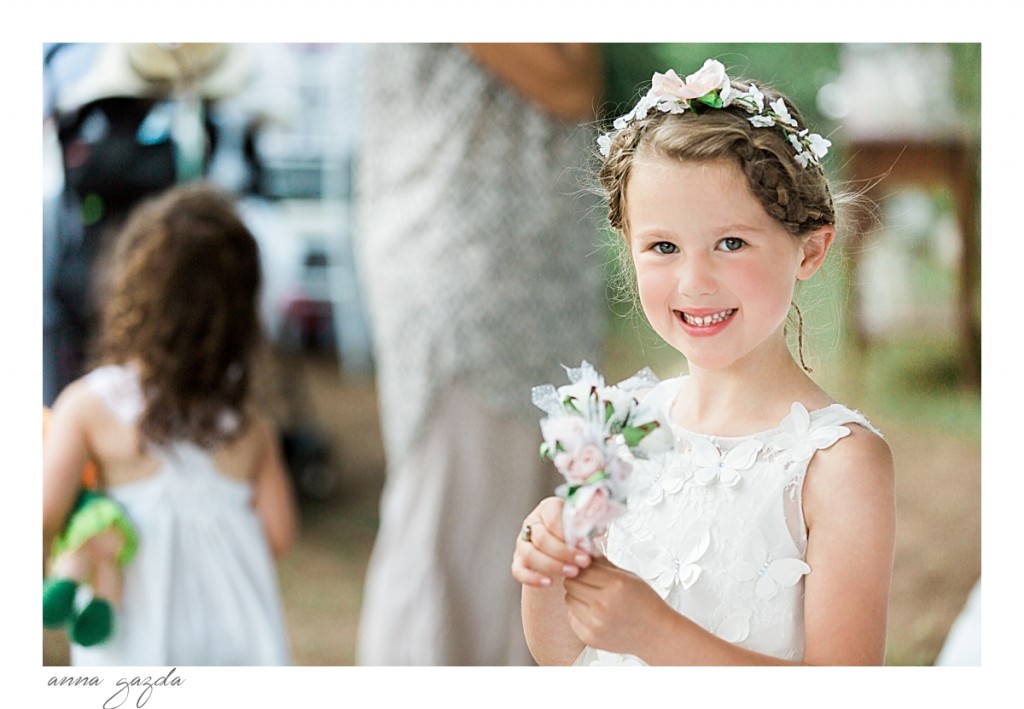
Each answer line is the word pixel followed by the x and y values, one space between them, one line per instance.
pixel 856 475
pixel 78 402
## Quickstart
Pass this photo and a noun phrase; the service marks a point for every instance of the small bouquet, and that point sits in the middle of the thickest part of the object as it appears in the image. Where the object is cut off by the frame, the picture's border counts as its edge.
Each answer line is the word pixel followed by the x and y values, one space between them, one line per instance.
pixel 593 434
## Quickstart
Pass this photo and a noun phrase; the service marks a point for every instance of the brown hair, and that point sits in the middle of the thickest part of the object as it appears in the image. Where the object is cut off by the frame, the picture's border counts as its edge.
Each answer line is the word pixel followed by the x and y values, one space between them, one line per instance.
pixel 182 304
pixel 798 197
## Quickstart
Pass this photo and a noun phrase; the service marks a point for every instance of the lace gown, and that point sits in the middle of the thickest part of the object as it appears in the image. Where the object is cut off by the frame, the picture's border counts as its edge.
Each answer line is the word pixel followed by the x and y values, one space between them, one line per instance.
pixel 480 262
pixel 717 528
pixel 202 588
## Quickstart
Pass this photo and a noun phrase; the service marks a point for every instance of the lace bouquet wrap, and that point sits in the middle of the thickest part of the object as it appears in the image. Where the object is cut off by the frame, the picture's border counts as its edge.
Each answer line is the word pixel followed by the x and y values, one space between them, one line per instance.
pixel 594 434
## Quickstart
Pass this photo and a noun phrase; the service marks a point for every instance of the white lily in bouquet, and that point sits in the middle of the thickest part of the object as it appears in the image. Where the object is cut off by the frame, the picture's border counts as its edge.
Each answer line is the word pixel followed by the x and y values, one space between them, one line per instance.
pixel 594 433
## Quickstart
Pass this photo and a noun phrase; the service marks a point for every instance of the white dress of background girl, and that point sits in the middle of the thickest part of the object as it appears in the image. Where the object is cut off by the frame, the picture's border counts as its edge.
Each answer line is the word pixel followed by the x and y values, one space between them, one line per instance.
pixel 199 473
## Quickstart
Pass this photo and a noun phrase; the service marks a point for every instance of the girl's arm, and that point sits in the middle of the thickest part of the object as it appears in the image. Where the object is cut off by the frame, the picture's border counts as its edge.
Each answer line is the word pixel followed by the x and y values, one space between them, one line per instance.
pixel 65 452
pixel 274 499
pixel 540 565
pixel 849 505
pixel 564 79
pixel 850 512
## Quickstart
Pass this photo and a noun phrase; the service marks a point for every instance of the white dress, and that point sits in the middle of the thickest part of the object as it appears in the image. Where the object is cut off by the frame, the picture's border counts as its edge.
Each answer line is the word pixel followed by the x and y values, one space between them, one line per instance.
pixel 717 528
pixel 202 588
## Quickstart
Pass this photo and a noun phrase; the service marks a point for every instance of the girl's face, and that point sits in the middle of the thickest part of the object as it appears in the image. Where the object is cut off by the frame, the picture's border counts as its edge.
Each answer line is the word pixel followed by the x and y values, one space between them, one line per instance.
pixel 715 272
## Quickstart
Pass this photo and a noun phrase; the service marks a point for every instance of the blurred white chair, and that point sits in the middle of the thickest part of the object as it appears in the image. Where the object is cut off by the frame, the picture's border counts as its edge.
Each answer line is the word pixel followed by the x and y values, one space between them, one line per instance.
pixel 963 644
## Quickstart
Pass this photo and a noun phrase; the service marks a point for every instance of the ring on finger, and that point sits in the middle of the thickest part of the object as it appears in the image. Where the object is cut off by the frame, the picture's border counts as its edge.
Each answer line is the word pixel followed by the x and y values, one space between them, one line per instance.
pixel 527 534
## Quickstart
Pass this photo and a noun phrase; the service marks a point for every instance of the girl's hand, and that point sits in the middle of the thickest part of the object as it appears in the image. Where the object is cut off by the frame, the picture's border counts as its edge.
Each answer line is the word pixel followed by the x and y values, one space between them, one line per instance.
pixel 612 609
pixel 545 556
pixel 66 450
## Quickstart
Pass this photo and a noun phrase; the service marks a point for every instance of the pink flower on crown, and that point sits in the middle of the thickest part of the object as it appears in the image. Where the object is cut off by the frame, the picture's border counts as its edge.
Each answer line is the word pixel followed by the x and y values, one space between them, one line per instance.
pixel 708 78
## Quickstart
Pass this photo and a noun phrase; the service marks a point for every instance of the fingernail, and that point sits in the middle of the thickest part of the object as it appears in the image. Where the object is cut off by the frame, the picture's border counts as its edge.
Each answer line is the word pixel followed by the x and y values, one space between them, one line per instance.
pixel 545 581
pixel 570 571
pixel 582 559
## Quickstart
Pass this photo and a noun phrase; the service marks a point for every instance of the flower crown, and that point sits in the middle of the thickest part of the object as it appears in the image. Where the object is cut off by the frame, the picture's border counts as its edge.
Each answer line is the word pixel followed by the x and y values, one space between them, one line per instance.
pixel 712 87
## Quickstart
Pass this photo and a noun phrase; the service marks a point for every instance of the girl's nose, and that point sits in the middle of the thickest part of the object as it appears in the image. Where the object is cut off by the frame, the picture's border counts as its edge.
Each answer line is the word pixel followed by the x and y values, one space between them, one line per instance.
pixel 696 276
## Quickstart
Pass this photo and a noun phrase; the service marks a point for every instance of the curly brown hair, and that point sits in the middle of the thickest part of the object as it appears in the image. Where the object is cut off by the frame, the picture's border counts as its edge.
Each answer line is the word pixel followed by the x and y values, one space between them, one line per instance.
pixel 181 304
pixel 798 197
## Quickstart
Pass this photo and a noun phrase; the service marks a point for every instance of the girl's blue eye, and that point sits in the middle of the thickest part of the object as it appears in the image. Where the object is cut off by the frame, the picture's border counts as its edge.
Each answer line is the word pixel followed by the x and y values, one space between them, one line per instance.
pixel 732 243
pixel 664 247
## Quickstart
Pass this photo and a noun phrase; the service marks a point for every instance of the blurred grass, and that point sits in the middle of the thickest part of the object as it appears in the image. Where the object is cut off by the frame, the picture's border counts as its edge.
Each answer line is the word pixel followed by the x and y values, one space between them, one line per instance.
pixel 916 380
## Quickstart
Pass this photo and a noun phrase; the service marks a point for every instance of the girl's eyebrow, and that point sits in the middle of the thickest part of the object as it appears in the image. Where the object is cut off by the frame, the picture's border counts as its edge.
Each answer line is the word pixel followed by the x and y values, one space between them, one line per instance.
pixel 663 232
pixel 738 226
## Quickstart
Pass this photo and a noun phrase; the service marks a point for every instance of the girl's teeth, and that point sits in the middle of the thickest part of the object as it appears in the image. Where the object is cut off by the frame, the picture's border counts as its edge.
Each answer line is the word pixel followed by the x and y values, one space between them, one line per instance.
pixel 707 319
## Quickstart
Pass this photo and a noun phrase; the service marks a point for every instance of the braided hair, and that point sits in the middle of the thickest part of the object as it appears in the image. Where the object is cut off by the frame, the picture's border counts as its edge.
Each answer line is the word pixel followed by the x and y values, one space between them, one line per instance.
pixel 797 197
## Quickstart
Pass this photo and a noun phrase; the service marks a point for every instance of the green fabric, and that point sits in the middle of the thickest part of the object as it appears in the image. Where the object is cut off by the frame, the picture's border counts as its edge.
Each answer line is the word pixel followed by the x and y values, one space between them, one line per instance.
pixel 94 513
pixel 94 624
pixel 58 601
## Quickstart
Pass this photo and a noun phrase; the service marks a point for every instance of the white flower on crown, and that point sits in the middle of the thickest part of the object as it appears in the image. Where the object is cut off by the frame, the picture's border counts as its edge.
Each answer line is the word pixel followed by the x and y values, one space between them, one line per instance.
pixel 711 86
pixel 782 112
pixel 762 121
pixel 802 156
pixel 755 96
pixel 818 145
pixel 809 148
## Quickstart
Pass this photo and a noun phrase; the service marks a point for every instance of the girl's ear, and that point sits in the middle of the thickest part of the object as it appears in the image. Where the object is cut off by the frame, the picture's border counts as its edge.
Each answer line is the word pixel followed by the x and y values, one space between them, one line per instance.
pixel 815 249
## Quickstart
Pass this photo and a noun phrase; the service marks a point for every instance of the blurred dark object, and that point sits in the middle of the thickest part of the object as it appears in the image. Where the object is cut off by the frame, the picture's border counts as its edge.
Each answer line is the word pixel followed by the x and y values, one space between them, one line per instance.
pixel 308 318
pixel 107 170
pixel 308 456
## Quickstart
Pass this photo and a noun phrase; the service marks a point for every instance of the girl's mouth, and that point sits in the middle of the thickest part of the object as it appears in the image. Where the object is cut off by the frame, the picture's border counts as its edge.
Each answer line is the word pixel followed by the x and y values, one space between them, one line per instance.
pixel 706 320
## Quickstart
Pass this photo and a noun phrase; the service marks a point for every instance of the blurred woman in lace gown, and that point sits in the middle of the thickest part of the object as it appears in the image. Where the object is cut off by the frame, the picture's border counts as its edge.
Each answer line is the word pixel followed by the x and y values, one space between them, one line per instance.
pixel 482 274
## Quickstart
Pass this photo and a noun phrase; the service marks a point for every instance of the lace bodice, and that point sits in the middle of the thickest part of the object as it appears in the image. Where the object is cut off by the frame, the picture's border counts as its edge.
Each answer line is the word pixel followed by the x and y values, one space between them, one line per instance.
pixel 716 528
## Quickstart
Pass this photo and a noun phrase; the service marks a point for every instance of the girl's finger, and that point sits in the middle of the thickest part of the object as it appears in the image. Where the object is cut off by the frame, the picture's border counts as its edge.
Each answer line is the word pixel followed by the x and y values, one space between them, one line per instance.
pixel 539 536
pixel 527 576
pixel 536 558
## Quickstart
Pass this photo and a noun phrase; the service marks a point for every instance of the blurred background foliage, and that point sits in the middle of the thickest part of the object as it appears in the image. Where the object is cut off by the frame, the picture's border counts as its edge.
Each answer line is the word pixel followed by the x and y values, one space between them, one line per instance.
pixel 797 69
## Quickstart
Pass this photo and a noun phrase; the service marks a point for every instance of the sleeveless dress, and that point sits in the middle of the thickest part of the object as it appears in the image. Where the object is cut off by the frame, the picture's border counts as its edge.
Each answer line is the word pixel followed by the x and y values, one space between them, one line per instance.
pixel 202 588
pixel 717 528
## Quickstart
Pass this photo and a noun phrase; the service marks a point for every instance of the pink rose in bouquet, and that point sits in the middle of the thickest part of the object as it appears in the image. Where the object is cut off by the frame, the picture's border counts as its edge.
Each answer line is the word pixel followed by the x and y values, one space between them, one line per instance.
pixel 593 511
pixel 593 433
pixel 580 465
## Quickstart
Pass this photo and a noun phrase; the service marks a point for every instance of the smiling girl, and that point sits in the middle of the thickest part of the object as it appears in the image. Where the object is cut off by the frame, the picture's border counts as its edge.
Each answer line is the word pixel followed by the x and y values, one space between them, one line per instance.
pixel 767 535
